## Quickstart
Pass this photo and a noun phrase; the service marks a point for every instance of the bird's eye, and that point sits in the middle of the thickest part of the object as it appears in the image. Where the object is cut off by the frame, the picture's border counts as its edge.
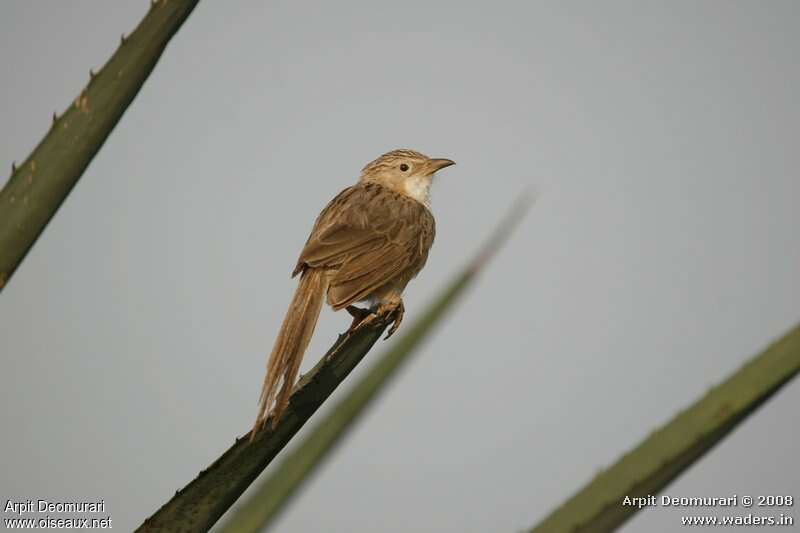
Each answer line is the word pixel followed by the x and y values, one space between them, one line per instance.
pixel 403 167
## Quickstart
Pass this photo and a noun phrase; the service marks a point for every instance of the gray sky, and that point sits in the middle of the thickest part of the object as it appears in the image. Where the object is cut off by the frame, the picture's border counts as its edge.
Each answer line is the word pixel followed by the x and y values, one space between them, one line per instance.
pixel 662 254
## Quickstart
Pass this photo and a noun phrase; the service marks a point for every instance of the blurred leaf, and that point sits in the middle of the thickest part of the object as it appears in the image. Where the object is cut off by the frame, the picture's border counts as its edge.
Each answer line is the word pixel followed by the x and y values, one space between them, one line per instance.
pixel 37 188
pixel 598 507
pixel 200 504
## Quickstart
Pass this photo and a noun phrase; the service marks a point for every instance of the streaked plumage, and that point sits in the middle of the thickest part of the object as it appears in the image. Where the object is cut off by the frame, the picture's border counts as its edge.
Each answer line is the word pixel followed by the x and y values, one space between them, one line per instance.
pixel 367 237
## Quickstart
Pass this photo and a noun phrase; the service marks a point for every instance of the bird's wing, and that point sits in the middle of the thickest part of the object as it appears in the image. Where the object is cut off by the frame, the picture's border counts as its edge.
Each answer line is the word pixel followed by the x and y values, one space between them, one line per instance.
pixel 366 237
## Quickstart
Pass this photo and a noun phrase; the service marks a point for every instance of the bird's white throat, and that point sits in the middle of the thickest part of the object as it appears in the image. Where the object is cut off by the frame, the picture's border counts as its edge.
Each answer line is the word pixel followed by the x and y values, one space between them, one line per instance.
pixel 418 188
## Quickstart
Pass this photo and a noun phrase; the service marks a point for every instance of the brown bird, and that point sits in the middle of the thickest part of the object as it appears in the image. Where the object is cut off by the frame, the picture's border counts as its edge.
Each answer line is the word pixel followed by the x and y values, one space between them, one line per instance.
pixel 366 245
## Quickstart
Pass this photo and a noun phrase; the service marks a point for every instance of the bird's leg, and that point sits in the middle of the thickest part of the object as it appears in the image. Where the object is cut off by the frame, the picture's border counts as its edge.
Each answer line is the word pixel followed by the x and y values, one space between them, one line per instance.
pixel 358 314
pixel 397 317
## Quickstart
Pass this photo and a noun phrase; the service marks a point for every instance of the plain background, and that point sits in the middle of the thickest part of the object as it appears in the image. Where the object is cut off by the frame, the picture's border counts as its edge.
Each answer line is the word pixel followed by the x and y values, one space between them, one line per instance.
pixel 663 252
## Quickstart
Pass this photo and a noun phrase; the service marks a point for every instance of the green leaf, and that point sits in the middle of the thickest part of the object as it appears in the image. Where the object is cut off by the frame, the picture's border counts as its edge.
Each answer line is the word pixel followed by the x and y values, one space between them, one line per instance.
pixel 670 450
pixel 37 188
pixel 201 503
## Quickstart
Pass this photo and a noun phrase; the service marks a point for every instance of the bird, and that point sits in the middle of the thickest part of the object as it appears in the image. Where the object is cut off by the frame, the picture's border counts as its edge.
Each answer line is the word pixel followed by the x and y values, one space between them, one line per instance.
pixel 365 246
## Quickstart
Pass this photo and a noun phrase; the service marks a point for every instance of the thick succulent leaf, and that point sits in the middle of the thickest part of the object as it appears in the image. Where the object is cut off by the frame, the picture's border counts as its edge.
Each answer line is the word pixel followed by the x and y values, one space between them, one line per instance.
pixel 42 182
pixel 673 448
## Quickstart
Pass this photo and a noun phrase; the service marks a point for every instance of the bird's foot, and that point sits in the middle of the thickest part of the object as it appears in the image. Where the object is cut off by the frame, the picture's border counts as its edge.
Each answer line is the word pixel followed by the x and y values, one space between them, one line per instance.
pixel 359 316
pixel 396 313
pixel 393 309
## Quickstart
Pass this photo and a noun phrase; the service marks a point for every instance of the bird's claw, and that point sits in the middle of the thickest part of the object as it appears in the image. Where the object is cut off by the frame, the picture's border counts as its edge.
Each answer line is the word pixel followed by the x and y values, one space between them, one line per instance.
pixel 397 317
pixel 364 317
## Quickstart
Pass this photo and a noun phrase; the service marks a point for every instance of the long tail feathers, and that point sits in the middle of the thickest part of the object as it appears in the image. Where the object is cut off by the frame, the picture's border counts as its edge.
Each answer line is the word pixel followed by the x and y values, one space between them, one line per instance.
pixel 290 345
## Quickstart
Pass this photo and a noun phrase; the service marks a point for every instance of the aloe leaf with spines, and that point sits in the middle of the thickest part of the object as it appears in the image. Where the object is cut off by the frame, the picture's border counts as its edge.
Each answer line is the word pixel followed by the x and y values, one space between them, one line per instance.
pixel 659 459
pixel 42 182
pixel 199 505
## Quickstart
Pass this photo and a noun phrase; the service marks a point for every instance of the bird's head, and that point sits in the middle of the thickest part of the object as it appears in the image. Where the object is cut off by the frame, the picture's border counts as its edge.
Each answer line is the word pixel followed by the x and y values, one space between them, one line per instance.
pixel 405 171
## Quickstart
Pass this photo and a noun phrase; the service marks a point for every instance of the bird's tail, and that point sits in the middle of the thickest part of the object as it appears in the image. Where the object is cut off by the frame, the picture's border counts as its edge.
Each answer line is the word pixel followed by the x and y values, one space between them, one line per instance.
pixel 290 345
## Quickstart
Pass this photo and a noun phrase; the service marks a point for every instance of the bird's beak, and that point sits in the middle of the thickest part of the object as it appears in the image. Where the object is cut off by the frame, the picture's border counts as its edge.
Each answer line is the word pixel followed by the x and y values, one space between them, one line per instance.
pixel 439 164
